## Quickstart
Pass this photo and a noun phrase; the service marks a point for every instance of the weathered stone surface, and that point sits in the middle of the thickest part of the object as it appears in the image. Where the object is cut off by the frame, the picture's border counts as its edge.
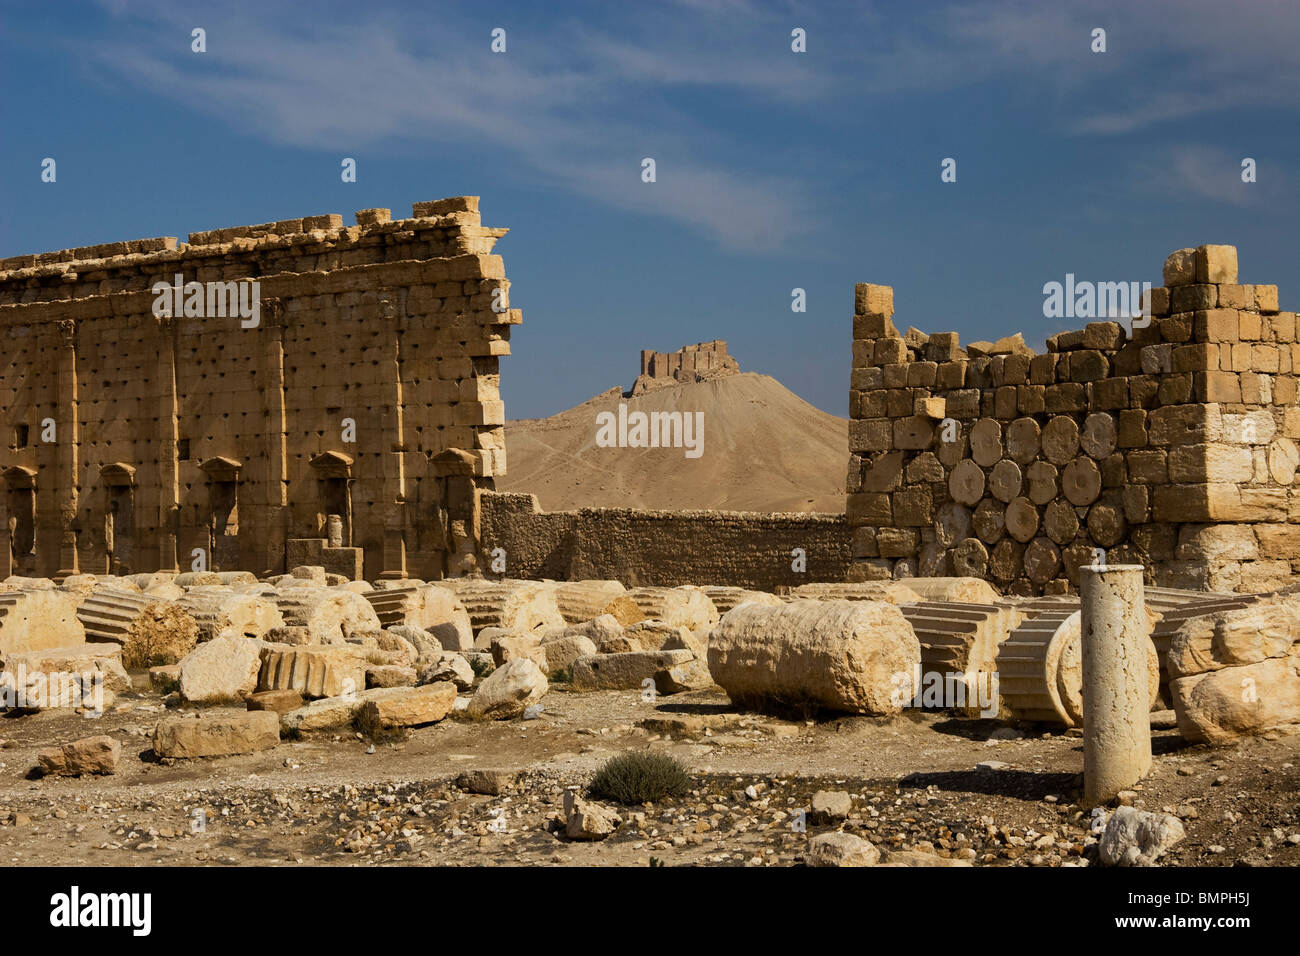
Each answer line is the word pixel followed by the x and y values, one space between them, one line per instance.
pixel 839 655
pixel 279 701
pixel 313 671
pixel 509 646
pixel 841 849
pixel 390 675
pixel 425 608
pixel 428 649
pixel 580 601
pixel 330 713
pixel 508 691
pixel 687 607
pixel 491 783
pixel 517 606
pixel 1134 837
pixel 223 612
pixel 654 635
pixel 954 590
pixel 331 615
pixel 585 820
pixel 1222 705
pixel 626 671
pixel 38 619
pixel 223 669
pixel 216 735
pixel 680 678
pixel 1233 637
pixel 417 706
pixel 97 661
pixel 830 806
pixel 450 667
pixel 89 755
pixel 560 654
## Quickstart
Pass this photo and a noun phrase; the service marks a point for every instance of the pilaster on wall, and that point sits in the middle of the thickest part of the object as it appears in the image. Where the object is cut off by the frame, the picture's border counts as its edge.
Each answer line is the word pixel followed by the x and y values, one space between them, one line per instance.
pixel 376 344
pixel 1169 442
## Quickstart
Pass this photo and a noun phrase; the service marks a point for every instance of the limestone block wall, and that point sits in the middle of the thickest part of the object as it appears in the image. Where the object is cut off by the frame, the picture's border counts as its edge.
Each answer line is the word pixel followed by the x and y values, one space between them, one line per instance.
pixel 662 548
pixel 1169 442
pixel 373 358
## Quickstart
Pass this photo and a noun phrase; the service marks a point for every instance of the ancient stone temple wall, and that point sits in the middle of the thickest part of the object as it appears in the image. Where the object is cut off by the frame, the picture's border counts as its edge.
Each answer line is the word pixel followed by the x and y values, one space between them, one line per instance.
pixel 1167 440
pixel 302 369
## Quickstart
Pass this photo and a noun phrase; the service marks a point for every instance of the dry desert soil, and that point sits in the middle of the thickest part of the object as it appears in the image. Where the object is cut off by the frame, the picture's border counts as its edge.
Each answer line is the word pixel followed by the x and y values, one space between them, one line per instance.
pixel 341 800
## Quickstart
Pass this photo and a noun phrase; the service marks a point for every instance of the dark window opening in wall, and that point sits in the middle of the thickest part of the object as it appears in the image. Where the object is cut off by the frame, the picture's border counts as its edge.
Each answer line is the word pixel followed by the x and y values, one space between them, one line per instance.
pixel 22 434
pixel 183 449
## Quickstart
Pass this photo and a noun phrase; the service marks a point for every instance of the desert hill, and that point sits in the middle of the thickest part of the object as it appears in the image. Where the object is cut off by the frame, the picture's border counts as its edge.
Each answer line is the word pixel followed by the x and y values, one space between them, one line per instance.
pixel 764 449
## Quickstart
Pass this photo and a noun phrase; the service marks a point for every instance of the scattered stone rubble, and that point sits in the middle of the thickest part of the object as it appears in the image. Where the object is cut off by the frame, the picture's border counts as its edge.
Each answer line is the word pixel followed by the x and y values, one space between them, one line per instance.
pixel 303 654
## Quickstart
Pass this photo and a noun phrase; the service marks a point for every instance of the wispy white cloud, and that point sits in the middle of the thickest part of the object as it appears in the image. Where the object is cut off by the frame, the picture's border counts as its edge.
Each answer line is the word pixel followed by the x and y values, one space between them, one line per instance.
pixel 1203 172
pixel 576 115
pixel 579 103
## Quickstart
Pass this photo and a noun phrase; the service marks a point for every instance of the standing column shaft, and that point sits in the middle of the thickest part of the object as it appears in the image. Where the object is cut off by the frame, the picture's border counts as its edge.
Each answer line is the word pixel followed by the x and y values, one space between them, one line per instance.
pixel 1116 701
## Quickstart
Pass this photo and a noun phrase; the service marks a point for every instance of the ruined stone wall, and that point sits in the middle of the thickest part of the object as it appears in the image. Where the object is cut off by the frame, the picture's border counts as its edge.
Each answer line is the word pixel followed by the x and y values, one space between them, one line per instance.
pixel 664 548
pixel 195 432
pixel 691 363
pixel 1169 443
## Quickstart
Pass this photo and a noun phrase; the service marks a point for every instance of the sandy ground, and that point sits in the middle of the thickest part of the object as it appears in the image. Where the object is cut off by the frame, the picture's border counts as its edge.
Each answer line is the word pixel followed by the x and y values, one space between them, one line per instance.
pixel 327 799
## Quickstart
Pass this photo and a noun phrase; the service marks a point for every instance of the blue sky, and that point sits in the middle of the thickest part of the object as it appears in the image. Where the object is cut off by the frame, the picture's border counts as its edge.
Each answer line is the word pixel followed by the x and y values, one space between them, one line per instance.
pixel 775 170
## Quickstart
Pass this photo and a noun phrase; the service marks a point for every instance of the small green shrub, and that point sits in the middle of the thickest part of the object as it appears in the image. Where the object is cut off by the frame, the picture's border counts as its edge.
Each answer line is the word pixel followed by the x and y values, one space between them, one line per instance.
pixel 481 667
pixel 640 777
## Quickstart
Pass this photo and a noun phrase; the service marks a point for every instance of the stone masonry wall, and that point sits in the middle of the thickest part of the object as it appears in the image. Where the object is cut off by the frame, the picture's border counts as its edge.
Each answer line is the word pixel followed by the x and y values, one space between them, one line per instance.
pixel 1171 444
pixel 189 432
pixel 664 548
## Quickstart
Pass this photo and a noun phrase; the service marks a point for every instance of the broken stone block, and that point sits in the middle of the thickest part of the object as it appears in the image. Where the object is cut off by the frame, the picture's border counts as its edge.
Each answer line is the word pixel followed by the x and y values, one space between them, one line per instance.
pixel 450 667
pixel 279 701
pixel 510 646
pixel 222 612
pixel 581 601
pixel 585 820
pixel 512 605
pixel 491 783
pixel 313 671
pixel 1135 837
pixel 89 755
pixel 560 655
pixel 1223 705
pixel 331 615
pixel 1180 268
pixel 686 676
pixel 39 619
pixel 414 707
pixel 222 670
pixel 626 671
pixel 216 735
pixel 841 849
pixel 830 806
pixel 390 675
pixel 654 635
pixel 677 607
pixel 508 691
pixel 429 609
pixel 840 655
pixel 1233 637
pixel 101 662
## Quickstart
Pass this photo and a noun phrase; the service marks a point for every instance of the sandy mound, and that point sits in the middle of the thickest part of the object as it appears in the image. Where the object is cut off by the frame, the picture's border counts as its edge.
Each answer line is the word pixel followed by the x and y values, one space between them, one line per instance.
pixel 765 449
